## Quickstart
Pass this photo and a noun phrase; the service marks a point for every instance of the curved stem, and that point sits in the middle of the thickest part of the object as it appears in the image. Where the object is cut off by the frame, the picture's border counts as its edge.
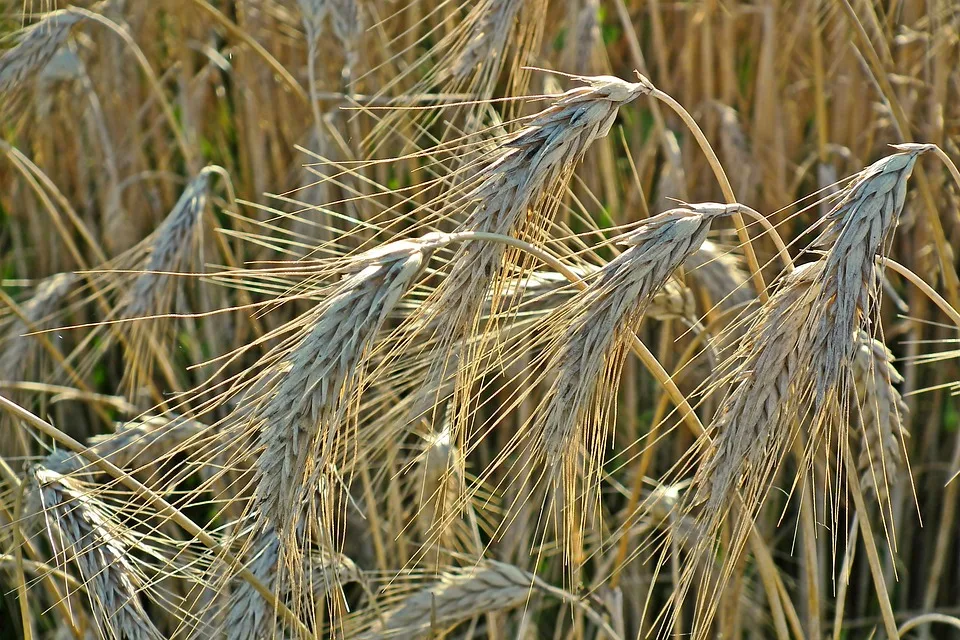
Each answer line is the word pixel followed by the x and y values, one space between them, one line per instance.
pixel 725 187
pixel 163 508
pixel 926 289
pixel 772 232
pixel 928 618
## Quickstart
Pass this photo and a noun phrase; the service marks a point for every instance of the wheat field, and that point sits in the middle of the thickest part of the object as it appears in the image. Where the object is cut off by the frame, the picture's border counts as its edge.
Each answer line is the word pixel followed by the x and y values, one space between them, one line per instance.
pixel 560 319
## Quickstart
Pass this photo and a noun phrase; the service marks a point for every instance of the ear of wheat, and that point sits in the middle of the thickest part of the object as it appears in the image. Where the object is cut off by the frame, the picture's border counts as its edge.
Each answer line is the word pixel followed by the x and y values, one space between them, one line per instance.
pixel 78 530
pixel 302 415
pixel 20 356
pixel 170 248
pixel 313 13
pixel 570 425
pixel 489 38
pixel 38 43
pixel 795 367
pixel 514 195
pixel 602 320
pixel 858 229
pixel 46 300
pixel 753 419
pixel 459 595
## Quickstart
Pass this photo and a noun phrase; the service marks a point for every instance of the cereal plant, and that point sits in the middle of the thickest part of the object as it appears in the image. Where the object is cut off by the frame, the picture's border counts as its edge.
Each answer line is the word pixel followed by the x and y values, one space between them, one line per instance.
pixel 581 319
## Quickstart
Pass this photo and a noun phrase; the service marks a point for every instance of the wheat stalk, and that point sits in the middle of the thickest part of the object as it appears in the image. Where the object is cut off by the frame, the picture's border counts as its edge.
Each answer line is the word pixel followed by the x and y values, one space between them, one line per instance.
pixel 77 528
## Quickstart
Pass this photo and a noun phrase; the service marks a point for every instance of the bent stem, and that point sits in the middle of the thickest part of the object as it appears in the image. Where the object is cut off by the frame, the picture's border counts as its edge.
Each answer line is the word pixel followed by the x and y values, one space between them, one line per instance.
pixel 725 187
pixel 163 507
pixel 928 618
pixel 926 289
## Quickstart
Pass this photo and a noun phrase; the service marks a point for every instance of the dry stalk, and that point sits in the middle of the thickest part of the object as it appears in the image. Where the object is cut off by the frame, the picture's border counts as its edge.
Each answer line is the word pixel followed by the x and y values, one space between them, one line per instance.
pixel 78 529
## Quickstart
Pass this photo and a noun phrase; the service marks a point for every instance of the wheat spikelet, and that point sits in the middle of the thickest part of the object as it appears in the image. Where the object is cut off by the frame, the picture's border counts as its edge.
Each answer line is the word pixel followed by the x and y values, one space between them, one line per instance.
pixel 38 43
pixel 753 419
pixel 459 595
pixel 604 316
pixel 302 414
pixel 489 37
pixel 881 411
pixel 526 172
pixel 170 249
pixel 78 529
pixel 858 229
